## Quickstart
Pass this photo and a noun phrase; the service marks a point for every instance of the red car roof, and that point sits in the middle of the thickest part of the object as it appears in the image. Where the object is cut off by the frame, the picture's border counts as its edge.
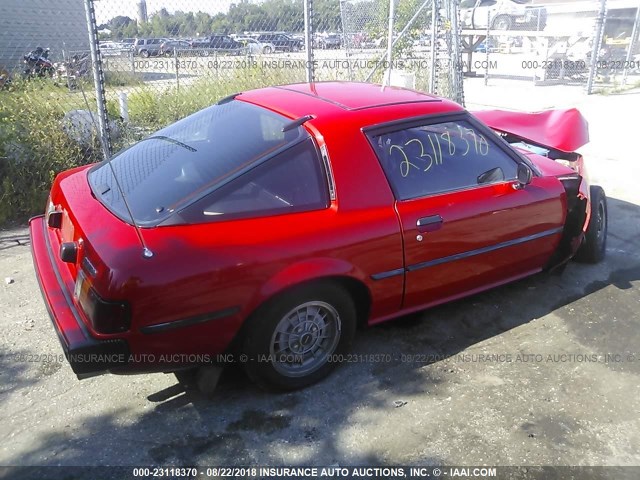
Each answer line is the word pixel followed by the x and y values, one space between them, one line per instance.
pixel 331 98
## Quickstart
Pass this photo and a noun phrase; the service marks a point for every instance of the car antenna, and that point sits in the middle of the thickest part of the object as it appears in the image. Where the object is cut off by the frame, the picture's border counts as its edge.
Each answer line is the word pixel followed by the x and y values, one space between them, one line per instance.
pixel 146 252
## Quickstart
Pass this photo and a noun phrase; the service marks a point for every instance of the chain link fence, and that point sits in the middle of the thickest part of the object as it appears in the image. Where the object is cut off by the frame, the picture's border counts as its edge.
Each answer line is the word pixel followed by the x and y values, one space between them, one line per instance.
pixel 161 60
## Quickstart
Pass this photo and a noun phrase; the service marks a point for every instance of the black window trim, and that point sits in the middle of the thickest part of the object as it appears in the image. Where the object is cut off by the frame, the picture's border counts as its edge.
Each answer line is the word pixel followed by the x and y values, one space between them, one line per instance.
pixel 182 216
pixel 432 119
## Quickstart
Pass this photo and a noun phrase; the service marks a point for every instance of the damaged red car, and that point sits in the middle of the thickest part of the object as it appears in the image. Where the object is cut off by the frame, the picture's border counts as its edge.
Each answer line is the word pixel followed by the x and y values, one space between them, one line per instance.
pixel 266 228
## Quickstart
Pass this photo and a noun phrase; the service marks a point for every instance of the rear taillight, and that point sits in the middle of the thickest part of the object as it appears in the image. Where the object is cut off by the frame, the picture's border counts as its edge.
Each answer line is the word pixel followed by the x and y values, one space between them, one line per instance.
pixel 105 316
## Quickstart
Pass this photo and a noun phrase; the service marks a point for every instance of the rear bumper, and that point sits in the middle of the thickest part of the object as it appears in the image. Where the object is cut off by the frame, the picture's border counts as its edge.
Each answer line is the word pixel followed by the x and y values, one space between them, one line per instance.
pixel 87 355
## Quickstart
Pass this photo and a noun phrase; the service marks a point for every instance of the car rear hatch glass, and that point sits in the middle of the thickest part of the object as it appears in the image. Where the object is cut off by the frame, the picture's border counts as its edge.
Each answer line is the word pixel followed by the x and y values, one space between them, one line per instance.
pixel 179 164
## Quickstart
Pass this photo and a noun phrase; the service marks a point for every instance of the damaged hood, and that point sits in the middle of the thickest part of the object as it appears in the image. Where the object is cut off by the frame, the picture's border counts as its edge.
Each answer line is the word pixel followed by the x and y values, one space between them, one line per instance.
pixel 561 129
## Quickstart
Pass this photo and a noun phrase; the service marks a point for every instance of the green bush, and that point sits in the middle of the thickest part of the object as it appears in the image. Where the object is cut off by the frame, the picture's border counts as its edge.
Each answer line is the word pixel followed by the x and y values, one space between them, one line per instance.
pixel 33 147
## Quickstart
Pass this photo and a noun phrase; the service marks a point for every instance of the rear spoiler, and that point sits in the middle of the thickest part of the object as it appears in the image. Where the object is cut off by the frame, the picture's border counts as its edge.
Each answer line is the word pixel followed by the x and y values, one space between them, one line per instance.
pixel 562 129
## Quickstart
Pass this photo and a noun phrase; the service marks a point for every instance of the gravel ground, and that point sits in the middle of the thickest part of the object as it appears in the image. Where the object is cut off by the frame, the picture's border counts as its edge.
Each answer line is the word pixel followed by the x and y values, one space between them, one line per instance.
pixel 540 372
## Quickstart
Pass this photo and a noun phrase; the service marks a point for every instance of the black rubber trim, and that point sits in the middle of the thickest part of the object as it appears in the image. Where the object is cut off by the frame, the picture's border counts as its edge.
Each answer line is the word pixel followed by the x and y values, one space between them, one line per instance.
pixel 387 274
pixel 480 251
pixel 187 322
pixel 470 253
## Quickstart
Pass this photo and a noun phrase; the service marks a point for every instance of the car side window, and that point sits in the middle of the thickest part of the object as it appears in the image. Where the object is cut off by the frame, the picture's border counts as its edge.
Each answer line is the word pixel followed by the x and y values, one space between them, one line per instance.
pixel 293 181
pixel 440 157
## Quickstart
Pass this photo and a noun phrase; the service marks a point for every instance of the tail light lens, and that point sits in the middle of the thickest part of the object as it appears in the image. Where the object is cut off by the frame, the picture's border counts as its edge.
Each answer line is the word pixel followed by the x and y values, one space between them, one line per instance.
pixel 105 316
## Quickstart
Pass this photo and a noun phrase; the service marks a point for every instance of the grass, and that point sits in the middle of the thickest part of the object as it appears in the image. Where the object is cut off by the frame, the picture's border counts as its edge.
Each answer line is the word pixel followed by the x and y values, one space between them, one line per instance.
pixel 33 145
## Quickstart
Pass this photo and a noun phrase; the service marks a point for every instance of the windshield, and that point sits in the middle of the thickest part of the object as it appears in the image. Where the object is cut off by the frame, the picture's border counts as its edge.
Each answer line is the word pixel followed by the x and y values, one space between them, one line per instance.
pixel 181 163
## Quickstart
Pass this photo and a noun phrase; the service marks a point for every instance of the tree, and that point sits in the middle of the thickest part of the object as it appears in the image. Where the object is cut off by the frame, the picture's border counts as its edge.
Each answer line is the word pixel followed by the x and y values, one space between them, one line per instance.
pixel 270 15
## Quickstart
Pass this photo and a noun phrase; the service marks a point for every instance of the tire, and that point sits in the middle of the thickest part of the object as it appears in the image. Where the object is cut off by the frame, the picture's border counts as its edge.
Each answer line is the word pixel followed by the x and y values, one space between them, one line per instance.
pixel 502 22
pixel 267 49
pixel 327 330
pixel 594 246
pixel 144 53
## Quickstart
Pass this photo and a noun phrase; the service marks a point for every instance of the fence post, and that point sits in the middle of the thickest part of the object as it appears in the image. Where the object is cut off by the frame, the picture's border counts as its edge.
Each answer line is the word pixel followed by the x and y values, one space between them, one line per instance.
pixel 456 74
pixel 392 10
pixel 98 80
pixel 434 28
pixel 124 106
pixel 632 44
pixel 487 41
pixel 597 42
pixel 308 39
pixel 175 57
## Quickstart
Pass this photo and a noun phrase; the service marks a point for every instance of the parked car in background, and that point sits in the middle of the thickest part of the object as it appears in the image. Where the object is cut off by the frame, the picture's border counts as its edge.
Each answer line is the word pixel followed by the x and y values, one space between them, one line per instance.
pixel 281 41
pixel 360 40
pixel 327 40
pixel 173 47
pixel 502 15
pixel 269 226
pixel 254 46
pixel 113 49
pixel 147 47
pixel 299 37
pixel 217 43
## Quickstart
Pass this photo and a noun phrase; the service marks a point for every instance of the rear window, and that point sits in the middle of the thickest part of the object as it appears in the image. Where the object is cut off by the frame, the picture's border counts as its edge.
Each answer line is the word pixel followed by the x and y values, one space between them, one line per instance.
pixel 188 160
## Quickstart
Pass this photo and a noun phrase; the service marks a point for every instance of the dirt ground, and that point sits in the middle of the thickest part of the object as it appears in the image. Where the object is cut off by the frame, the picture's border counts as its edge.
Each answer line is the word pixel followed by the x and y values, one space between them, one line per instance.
pixel 542 372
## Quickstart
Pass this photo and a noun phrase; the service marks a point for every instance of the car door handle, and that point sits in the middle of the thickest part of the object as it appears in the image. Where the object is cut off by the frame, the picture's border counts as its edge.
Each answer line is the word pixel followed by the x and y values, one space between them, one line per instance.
pixel 429 224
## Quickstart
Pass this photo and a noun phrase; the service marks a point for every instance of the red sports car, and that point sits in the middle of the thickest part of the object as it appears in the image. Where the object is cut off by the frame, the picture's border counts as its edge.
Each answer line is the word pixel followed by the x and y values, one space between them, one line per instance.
pixel 264 229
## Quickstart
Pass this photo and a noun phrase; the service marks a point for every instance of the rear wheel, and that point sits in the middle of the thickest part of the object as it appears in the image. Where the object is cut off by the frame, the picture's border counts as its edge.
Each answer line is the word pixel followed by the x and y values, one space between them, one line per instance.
pixel 144 53
pixel 293 340
pixel 593 248
pixel 267 49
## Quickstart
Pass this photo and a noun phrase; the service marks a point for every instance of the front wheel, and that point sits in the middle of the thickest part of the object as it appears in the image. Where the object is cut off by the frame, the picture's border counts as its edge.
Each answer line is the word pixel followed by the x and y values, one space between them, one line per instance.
pixel 503 22
pixel 295 339
pixel 594 247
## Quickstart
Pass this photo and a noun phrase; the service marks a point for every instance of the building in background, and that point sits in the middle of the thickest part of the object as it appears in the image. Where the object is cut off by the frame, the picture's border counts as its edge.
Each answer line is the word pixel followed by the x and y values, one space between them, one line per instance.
pixel 27 24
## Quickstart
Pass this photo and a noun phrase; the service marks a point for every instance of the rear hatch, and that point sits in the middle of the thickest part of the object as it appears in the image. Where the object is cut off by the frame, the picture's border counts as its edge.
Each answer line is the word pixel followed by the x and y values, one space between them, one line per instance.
pixel 87 243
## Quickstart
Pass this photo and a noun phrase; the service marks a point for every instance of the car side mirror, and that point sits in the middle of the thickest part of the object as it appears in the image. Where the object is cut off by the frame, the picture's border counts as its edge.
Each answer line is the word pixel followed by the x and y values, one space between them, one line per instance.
pixel 525 174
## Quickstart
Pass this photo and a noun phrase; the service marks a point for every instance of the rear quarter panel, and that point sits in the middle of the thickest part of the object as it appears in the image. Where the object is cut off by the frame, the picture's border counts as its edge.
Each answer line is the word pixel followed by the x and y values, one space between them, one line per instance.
pixel 243 263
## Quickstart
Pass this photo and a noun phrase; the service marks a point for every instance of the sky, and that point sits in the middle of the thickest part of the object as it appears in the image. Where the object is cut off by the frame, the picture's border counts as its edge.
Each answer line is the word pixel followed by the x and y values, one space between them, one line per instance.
pixel 107 9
